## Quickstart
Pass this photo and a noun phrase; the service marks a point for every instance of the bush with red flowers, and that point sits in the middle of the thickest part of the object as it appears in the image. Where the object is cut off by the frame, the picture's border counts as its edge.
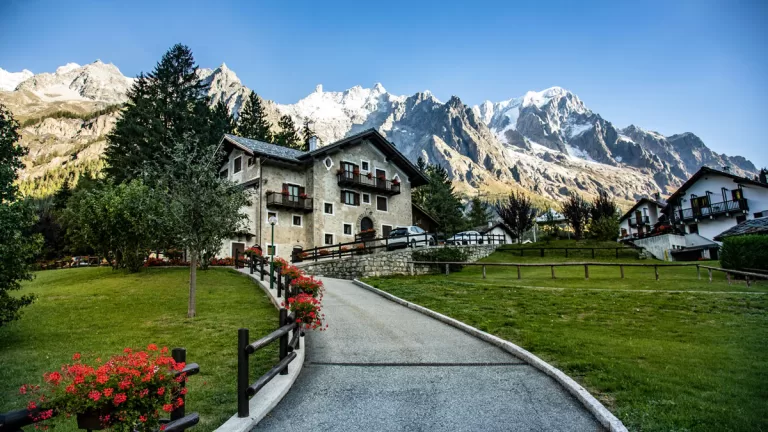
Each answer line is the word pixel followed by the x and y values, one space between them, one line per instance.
pixel 155 262
pixel 280 264
pixel 309 285
pixel 292 272
pixel 308 311
pixel 126 392
pixel 222 262
pixel 324 252
pixel 253 251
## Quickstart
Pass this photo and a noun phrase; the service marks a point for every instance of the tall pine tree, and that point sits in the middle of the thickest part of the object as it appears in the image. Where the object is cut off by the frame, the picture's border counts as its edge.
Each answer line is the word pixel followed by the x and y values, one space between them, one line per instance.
pixel 253 122
pixel 288 135
pixel 307 133
pixel 479 213
pixel 163 106
pixel 439 199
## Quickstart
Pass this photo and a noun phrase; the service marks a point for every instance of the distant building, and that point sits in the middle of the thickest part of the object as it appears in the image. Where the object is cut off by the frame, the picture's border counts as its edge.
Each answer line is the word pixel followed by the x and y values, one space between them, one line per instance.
pixel 641 218
pixel 713 201
pixel 754 226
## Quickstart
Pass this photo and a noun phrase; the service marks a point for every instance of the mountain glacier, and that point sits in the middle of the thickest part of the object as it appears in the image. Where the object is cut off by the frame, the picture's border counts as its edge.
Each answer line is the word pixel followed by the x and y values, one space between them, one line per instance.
pixel 545 141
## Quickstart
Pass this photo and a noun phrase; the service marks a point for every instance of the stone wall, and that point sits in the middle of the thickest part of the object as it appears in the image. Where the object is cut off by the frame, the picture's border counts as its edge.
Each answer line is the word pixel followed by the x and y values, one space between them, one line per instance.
pixel 383 263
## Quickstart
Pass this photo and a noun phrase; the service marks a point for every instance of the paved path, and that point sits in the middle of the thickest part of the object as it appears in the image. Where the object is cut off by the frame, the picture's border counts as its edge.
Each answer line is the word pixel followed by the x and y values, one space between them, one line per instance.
pixel 383 367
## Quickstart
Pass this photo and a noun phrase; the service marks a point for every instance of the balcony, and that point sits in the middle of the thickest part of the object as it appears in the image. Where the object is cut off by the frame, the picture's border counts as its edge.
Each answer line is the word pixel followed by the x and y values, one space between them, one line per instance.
pixel 636 222
pixel 289 202
pixel 715 209
pixel 373 184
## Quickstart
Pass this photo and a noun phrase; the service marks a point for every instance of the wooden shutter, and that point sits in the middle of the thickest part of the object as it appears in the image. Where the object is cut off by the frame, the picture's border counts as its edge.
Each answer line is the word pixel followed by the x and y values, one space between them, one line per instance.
pixel 357 199
pixel 342 196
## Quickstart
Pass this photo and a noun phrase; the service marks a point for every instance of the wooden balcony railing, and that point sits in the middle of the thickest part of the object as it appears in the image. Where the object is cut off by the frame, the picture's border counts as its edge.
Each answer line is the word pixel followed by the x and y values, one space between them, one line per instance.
pixel 714 209
pixel 290 202
pixel 375 184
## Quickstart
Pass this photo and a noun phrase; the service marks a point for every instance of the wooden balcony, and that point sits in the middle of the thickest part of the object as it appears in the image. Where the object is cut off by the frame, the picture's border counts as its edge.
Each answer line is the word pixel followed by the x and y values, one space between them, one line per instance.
pixel 373 184
pixel 636 222
pixel 277 200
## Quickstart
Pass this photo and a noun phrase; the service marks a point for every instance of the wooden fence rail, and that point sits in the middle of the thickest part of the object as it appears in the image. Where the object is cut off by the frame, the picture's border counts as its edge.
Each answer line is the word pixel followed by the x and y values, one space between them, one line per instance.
pixel 729 272
pixel 552 266
pixel 566 249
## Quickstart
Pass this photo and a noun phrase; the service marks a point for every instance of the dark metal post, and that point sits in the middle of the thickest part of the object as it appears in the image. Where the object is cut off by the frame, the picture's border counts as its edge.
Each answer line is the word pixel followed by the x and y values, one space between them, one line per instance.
pixel 180 356
pixel 252 264
pixel 242 373
pixel 279 283
pixel 283 318
pixel 262 268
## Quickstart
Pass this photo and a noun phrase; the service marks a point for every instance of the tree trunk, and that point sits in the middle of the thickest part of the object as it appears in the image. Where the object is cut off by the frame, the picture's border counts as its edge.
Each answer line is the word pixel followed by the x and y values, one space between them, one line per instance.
pixel 192 284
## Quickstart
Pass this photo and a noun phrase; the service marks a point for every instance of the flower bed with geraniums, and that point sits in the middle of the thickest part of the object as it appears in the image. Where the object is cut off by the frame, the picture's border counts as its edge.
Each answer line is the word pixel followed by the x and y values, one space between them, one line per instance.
pixel 252 251
pixel 309 285
pixel 292 272
pixel 126 392
pixel 308 311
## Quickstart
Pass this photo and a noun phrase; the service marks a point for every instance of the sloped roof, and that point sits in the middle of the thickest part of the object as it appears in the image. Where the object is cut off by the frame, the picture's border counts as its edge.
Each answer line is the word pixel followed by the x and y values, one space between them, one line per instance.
pixel 752 226
pixel 707 170
pixel 639 203
pixel 485 228
pixel 417 178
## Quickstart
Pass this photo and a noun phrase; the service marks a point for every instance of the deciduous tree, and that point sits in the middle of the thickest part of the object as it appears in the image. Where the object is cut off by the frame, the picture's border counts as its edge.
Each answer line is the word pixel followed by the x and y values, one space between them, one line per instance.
pixel 576 211
pixel 517 212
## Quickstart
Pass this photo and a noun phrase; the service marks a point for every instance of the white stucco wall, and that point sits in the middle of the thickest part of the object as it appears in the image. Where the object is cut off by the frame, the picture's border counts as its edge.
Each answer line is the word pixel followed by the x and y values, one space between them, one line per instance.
pixel 646 209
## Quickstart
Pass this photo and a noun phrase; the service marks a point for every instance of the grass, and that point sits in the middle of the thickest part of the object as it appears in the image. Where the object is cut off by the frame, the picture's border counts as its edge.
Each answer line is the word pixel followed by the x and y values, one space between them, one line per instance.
pixel 98 312
pixel 678 354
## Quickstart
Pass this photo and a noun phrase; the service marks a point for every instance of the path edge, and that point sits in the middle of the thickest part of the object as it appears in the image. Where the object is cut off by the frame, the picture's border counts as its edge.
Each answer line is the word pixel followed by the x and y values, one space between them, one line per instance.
pixel 600 412
pixel 272 393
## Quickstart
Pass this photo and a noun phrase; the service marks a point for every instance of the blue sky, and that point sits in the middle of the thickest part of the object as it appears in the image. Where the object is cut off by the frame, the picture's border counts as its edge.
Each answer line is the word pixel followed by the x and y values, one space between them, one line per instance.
pixel 697 66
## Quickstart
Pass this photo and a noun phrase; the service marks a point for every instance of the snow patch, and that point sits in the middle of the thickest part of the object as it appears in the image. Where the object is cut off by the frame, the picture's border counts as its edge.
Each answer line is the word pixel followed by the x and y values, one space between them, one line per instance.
pixel 9 80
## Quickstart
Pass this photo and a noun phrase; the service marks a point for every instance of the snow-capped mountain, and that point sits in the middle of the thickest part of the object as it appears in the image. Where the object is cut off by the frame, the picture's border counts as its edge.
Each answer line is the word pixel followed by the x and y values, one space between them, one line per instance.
pixel 546 141
pixel 9 80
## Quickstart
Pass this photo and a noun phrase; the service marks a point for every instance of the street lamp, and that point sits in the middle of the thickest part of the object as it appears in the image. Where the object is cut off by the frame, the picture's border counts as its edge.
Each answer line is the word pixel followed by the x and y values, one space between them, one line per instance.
pixel 272 221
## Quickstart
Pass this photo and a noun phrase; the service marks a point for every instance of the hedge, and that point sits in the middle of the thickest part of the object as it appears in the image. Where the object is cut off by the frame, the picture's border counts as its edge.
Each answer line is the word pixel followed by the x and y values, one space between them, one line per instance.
pixel 745 252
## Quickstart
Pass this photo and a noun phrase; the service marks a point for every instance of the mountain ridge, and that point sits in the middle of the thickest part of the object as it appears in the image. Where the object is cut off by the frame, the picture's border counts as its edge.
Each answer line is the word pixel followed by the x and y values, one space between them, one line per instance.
pixel 547 141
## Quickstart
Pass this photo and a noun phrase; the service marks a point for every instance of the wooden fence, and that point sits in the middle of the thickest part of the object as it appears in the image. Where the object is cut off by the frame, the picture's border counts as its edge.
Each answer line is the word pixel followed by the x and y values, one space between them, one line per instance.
pixel 729 272
pixel 541 250
pixel 13 421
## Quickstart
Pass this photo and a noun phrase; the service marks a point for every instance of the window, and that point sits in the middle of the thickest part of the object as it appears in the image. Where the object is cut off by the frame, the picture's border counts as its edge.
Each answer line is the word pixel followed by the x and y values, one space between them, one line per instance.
pixel 328 208
pixel 365 165
pixel 238 165
pixel 250 161
pixel 698 202
pixel 381 203
pixel 328 162
pixel 350 169
pixel 741 218
pixel 385 230
pixel 366 198
pixel 224 174
pixel 294 191
pixel 296 220
pixel 270 250
pixel 350 198
pixel 328 239
pixel 737 194
pixel 693 229
pixel 347 229
pixel 271 215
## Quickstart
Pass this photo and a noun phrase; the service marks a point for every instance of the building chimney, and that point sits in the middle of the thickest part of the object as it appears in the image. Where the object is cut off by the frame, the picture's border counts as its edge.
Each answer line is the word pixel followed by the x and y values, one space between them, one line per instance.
pixel 312 143
pixel 657 196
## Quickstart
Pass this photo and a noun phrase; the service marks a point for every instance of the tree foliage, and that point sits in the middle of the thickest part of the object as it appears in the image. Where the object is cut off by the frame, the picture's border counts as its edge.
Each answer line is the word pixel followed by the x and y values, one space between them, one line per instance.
pixel 479 213
pixel 307 133
pixel 517 212
pixel 603 206
pixel 288 136
pixel 440 200
pixel 163 107
pixel 123 222
pixel 577 212
pixel 17 246
pixel 253 122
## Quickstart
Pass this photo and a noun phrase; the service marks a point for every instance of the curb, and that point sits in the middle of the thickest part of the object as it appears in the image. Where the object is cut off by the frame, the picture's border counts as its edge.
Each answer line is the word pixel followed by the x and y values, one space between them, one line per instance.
pixel 272 393
pixel 603 416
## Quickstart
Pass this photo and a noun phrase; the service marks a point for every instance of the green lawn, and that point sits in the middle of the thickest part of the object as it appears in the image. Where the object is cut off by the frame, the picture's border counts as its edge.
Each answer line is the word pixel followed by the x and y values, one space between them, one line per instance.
pixel 97 311
pixel 661 360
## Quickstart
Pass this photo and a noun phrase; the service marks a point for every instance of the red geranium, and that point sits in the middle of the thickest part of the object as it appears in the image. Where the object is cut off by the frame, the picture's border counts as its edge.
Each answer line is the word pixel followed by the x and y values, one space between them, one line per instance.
pixel 123 391
pixel 308 311
pixel 309 285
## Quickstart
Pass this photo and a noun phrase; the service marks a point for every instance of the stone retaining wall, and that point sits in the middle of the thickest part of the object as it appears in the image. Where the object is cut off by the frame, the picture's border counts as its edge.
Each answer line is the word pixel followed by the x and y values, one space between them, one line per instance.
pixel 382 263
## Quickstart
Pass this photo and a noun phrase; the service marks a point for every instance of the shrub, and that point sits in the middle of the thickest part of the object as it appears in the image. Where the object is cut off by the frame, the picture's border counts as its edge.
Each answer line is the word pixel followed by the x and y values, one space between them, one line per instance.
pixel 309 285
pixel 444 254
pixel 745 252
pixel 292 272
pixel 308 311
pixel 605 228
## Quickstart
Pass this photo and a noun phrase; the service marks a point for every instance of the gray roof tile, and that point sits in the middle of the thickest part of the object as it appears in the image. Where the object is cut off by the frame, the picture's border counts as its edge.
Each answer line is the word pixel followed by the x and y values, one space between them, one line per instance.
pixel 752 226
pixel 267 148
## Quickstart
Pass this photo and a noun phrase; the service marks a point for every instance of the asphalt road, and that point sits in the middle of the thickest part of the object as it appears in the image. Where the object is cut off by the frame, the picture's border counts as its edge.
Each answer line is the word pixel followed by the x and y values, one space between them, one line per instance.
pixel 383 367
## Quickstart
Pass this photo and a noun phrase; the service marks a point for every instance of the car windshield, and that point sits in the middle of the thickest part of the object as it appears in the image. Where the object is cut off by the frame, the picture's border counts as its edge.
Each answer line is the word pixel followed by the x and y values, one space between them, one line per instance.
pixel 398 232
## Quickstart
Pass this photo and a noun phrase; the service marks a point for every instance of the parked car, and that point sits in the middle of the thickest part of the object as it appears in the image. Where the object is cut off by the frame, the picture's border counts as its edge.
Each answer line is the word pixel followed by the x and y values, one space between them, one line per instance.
pixel 409 236
pixel 466 238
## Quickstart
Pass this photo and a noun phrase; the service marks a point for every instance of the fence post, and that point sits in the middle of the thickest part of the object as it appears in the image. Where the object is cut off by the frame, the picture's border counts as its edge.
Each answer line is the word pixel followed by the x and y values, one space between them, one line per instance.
pixel 413 272
pixel 749 284
pixel 617 253
pixel 483 272
pixel 518 272
pixel 552 269
pixel 586 271
pixel 279 283
pixel 621 267
pixel 710 274
pixel 242 373
pixel 656 271
pixel 283 320
pixel 521 251
pixel 542 252
pixel 446 270
pixel 566 252
pixel 728 276
pixel 698 271
pixel 593 253
pixel 180 356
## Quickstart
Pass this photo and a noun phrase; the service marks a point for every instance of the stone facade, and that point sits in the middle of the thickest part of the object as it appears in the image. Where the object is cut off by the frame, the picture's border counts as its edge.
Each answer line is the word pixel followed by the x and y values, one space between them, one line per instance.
pixel 316 174
pixel 383 263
